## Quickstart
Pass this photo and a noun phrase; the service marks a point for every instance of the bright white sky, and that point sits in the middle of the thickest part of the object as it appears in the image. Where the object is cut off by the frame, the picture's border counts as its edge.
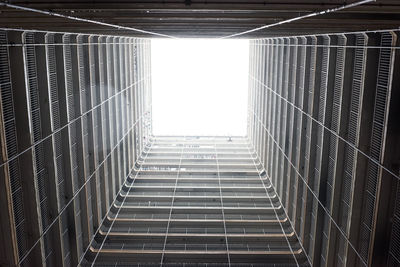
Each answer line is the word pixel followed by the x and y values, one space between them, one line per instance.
pixel 199 86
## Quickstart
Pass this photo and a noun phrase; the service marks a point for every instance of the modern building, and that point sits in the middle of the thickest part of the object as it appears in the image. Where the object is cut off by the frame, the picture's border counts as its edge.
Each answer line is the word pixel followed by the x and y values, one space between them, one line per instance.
pixel 315 182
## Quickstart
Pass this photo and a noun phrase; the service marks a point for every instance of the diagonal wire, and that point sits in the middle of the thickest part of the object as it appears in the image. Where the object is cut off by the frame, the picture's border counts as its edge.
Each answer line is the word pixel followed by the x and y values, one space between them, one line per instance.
pixel 310 189
pixel 54 14
pixel 329 33
pixel 71 122
pixel 120 207
pixel 172 206
pixel 330 130
pixel 64 32
pixel 222 204
pixel 276 214
pixel 300 18
pixel 77 193
pixel 106 214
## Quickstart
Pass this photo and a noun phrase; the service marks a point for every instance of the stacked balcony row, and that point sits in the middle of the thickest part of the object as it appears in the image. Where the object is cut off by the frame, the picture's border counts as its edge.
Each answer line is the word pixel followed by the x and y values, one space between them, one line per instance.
pixel 198 206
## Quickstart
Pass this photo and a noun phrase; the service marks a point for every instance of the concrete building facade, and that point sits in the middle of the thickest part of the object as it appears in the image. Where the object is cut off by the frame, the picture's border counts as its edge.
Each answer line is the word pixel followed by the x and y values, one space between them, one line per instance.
pixel 83 181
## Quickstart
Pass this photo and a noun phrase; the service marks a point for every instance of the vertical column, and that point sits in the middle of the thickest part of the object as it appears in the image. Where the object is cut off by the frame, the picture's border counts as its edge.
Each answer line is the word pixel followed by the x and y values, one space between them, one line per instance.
pixel 283 120
pixel 290 124
pixel 104 146
pixel 271 86
pixel 85 135
pixel 305 146
pixel 266 99
pixel 317 77
pixel 74 139
pixel 117 111
pixel 257 96
pixel 268 60
pixel 250 116
pixel 113 184
pixel 122 109
pixel 95 117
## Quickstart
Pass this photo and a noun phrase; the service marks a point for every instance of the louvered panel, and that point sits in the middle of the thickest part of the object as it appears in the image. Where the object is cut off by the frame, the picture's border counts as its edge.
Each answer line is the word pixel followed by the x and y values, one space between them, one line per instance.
pixel 117 106
pixel 52 81
pixel 69 86
pixel 84 76
pixel 258 95
pixel 93 74
pixel 116 59
pixel 308 108
pixel 277 113
pixel 105 135
pixel 103 75
pixel 136 89
pixel 41 171
pixel 284 120
pixel 267 100
pixel 376 143
pixel 7 102
pixel 86 197
pixel 86 124
pixel 305 197
pixel 11 149
pixel 18 207
pixel 324 80
pixel 110 65
pixel 74 130
pixel 58 154
pixel 140 91
pixel 98 131
pixel 324 242
pixel 65 237
pixel 32 86
pixel 269 124
pixel 79 219
pixel 274 59
pixel 122 63
pixel 104 175
pixel 298 190
pixel 75 157
pixel 317 139
pixel 394 247
pixel 346 180
pixel 258 69
pixel 124 129
pixel 262 98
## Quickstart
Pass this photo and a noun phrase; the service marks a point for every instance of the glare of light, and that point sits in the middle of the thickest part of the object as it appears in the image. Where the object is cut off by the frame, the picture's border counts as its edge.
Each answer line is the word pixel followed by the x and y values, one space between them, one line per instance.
pixel 199 87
